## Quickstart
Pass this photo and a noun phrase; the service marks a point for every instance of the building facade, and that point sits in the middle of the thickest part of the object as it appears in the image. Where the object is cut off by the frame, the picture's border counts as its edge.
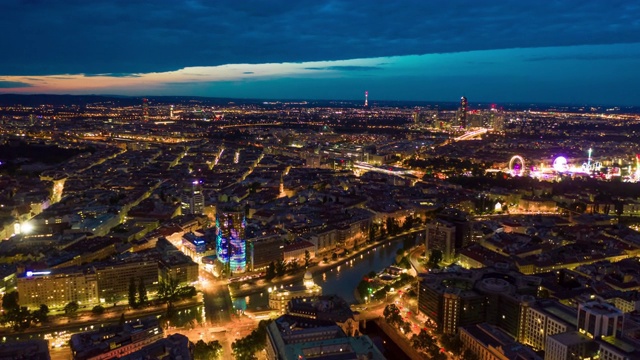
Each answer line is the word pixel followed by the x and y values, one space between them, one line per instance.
pixel 230 240
pixel 57 288
pixel 597 318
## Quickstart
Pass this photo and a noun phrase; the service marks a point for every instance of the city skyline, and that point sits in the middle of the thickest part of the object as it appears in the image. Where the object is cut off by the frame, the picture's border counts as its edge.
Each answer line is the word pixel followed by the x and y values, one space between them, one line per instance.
pixel 565 52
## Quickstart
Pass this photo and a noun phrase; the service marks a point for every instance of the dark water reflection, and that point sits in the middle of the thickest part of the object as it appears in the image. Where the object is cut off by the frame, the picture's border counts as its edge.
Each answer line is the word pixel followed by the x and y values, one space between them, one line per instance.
pixel 341 280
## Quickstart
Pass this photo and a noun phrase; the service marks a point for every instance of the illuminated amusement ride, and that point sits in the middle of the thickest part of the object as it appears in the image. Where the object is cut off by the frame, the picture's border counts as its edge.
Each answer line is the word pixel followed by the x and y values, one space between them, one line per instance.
pixel 561 166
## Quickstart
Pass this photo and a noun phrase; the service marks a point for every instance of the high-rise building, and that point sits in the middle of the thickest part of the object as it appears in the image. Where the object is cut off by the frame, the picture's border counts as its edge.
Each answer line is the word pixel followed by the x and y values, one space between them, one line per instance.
pixel 230 240
pixel 462 113
pixel 366 98
pixel 262 251
pixel 547 318
pixel 597 318
pixel 417 116
pixel 145 110
pixel 193 199
pixel 441 236
pixel 495 295
pixel 460 221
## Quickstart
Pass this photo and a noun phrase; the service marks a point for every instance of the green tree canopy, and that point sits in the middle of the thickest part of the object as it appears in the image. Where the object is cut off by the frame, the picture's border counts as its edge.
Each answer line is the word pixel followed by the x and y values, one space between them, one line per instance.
pixel 71 308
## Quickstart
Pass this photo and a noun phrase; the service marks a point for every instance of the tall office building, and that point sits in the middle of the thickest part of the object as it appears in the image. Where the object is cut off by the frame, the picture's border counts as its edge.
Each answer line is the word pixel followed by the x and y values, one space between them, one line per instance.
pixel 462 113
pixel 230 240
pixel 596 319
pixel 495 295
pixel 417 116
pixel 441 235
pixel 192 199
pixel 145 110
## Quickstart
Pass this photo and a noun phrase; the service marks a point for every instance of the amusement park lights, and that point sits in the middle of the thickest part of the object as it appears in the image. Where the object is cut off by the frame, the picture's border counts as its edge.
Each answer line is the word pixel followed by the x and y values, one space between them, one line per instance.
pixel 560 164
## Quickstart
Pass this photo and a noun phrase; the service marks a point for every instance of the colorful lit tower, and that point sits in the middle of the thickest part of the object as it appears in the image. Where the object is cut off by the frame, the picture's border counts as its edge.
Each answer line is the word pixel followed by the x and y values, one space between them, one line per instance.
pixel 366 98
pixel 145 110
pixel 230 240
pixel 462 115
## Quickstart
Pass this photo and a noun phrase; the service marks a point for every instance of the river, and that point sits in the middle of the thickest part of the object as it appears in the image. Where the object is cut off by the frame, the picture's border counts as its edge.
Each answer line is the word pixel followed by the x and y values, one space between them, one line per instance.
pixel 341 280
pixel 344 279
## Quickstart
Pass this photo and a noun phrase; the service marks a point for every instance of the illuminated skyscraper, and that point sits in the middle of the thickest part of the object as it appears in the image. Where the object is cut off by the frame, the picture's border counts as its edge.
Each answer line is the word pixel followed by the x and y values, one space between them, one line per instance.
pixel 145 110
pixel 417 116
pixel 366 98
pixel 193 199
pixel 230 240
pixel 462 113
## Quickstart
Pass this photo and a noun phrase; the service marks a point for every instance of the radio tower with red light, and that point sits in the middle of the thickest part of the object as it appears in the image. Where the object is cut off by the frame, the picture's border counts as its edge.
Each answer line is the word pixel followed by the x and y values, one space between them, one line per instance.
pixel 366 99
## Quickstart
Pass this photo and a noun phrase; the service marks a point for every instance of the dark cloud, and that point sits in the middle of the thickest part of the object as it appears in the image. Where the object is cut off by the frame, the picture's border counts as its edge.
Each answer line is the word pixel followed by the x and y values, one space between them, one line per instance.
pixel 140 36
pixel 345 68
pixel 248 72
pixel 13 84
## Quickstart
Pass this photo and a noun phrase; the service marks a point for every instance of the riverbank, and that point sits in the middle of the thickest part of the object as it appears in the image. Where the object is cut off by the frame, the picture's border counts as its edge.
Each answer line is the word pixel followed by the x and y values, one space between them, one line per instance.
pixel 320 268
pixel 85 320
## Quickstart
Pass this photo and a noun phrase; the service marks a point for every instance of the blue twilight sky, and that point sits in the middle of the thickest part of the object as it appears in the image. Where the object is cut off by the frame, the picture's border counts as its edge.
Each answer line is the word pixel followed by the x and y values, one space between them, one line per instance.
pixel 561 51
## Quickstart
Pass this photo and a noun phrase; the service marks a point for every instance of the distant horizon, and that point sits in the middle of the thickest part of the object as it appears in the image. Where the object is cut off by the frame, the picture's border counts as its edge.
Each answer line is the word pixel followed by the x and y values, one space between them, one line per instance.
pixel 498 103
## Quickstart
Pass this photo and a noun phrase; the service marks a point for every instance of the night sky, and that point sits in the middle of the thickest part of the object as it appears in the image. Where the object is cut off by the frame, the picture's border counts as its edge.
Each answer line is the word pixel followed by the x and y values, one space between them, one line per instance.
pixel 578 52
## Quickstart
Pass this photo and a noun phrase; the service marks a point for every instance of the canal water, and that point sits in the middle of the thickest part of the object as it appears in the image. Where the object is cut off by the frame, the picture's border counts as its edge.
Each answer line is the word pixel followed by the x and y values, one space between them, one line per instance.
pixel 341 280
pixel 344 279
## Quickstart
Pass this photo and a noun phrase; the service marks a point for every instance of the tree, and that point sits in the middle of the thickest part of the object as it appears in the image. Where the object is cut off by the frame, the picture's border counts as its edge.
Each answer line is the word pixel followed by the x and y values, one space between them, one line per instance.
pixel 171 311
pixel 390 224
pixel 294 267
pixel 142 293
pixel 451 343
pixel 271 271
pixel 422 341
pixel 168 289
pixel 97 310
pixel 10 301
pixel 307 258
pixel 132 293
pixel 434 259
pixel 245 348
pixel 334 256
pixel 408 223
pixel 71 308
pixel 280 268
pixel 392 315
pixel 207 351
pixel 406 327
pixel 186 292
pixel 372 233
pixel 42 314
pixel 122 320
pixel 363 289
pixel 19 318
